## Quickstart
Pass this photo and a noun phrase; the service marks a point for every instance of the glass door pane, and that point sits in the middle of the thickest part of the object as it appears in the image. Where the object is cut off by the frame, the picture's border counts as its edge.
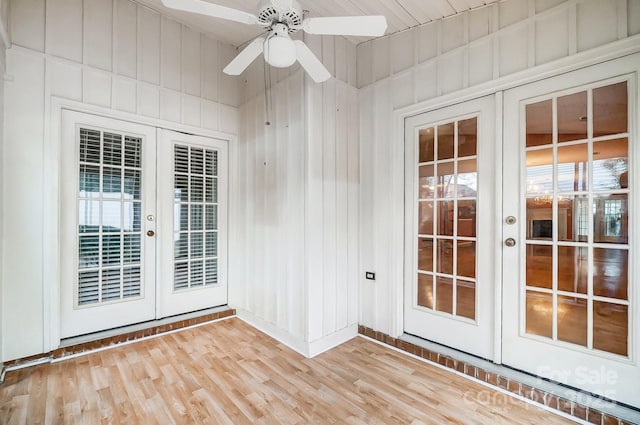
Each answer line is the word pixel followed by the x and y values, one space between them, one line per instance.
pixel 447 175
pixel 109 217
pixel 195 217
pixel 577 227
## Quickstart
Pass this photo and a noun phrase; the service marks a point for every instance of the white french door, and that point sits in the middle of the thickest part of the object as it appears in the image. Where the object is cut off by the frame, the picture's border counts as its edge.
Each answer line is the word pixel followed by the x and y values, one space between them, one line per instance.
pixel 450 210
pixel 192 223
pixel 570 276
pixel 143 223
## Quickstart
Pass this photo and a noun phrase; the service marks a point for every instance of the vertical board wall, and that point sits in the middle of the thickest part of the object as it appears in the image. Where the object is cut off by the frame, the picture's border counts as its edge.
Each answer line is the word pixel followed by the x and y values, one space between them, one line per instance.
pixel 473 49
pixel 110 53
pixel 295 255
pixel 3 61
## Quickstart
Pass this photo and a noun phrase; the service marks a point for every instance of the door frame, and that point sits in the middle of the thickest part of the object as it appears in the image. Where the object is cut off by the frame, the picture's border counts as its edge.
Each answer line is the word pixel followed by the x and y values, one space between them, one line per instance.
pixel 395 294
pixel 52 151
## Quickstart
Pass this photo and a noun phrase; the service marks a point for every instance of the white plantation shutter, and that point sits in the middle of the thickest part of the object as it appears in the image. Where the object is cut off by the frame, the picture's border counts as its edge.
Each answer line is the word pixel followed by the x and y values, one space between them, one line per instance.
pixel 109 217
pixel 195 217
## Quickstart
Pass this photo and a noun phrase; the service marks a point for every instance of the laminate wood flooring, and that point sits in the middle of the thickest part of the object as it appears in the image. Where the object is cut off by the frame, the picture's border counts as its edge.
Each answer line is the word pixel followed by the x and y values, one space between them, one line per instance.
pixel 229 373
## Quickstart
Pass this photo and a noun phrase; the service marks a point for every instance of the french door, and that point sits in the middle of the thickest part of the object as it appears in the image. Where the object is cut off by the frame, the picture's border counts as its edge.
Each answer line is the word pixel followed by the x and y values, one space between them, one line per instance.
pixel 192 223
pixel 450 222
pixel 571 191
pixel 143 219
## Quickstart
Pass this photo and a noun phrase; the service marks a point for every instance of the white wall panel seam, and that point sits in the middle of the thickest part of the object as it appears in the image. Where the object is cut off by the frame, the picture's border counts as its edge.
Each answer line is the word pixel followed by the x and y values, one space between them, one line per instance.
pixel 465 42
pixel 573 27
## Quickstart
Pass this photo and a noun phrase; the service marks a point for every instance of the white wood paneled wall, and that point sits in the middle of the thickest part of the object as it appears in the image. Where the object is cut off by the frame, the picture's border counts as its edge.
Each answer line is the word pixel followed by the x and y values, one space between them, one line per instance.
pixel 113 54
pixel 295 254
pixel 3 47
pixel 267 238
pixel 475 48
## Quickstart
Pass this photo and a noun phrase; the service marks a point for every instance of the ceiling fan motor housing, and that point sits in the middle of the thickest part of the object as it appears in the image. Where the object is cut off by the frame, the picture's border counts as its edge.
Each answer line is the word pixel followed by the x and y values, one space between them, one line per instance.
pixel 287 12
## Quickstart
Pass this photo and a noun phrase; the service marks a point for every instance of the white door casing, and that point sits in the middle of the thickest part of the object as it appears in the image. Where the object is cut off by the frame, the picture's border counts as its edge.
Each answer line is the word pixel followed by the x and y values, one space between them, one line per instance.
pixel 580 363
pixel 473 330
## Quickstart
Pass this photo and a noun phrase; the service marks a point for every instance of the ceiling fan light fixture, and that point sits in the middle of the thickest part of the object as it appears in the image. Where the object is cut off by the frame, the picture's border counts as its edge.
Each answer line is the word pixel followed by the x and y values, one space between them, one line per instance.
pixel 279 51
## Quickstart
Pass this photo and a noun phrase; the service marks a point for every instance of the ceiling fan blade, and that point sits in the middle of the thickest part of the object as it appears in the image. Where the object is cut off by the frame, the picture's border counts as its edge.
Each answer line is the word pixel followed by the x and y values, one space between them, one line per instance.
pixel 373 26
pixel 245 57
pixel 210 9
pixel 311 63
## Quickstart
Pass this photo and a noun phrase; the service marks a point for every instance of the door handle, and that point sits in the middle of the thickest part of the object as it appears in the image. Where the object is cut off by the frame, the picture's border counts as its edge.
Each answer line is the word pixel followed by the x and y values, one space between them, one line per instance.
pixel 510 242
pixel 151 233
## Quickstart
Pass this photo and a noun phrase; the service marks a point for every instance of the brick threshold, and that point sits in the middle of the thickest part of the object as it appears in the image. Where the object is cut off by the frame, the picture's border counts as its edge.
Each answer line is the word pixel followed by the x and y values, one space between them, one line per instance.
pixel 118 336
pixel 496 380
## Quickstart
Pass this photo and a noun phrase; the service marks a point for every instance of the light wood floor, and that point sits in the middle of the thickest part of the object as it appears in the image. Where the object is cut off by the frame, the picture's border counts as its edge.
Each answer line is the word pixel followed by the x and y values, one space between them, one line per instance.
pixel 229 373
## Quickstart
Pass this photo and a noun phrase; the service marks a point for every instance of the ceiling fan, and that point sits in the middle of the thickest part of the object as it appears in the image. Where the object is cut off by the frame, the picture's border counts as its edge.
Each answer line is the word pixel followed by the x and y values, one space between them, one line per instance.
pixel 281 18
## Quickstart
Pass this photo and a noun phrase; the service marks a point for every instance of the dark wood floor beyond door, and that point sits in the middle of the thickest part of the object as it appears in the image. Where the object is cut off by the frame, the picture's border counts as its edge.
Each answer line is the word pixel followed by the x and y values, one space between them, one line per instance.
pixel 229 373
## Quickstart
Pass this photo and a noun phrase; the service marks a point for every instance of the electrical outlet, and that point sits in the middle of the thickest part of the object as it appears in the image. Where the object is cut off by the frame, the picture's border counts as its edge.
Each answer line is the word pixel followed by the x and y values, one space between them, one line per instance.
pixel 370 275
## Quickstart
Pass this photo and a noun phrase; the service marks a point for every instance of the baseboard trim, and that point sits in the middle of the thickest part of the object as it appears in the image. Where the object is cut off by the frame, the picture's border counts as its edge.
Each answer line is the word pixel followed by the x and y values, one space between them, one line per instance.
pixel 326 343
pixel 296 344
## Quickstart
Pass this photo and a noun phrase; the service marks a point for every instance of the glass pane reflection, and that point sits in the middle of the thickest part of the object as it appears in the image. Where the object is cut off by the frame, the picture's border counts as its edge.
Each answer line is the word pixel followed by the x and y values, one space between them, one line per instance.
pixel 611 164
pixel 573 218
pixel 610 110
pixel 425 218
pixel 426 182
pixel 444 257
pixel 539 218
pixel 573 265
pixel 573 171
pixel 572 320
pixel 467 218
pixel 466 259
pixel 425 290
pixel 610 218
pixel 610 327
pixel 426 145
pixel 539 123
pixel 572 117
pixel 425 254
pixel 444 294
pixel 540 172
pixel 466 299
pixel 539 265
pixel 539 314
pixel 446 180
pixel 610 273
pixel 467 179
pixel 467 137
pixel 446 141
pixel 445 218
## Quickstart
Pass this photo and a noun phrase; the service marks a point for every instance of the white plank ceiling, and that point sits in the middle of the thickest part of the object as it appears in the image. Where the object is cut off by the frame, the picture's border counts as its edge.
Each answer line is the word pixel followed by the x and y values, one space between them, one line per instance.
pixel 401 14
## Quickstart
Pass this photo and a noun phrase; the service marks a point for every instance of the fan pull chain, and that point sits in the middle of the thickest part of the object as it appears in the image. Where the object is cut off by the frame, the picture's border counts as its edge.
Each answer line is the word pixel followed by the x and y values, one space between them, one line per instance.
pixel 267 89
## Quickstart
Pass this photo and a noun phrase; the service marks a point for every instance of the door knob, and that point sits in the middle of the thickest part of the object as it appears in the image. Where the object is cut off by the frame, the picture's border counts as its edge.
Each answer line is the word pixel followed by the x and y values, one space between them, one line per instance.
pixel 151 233
pixel 510 242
